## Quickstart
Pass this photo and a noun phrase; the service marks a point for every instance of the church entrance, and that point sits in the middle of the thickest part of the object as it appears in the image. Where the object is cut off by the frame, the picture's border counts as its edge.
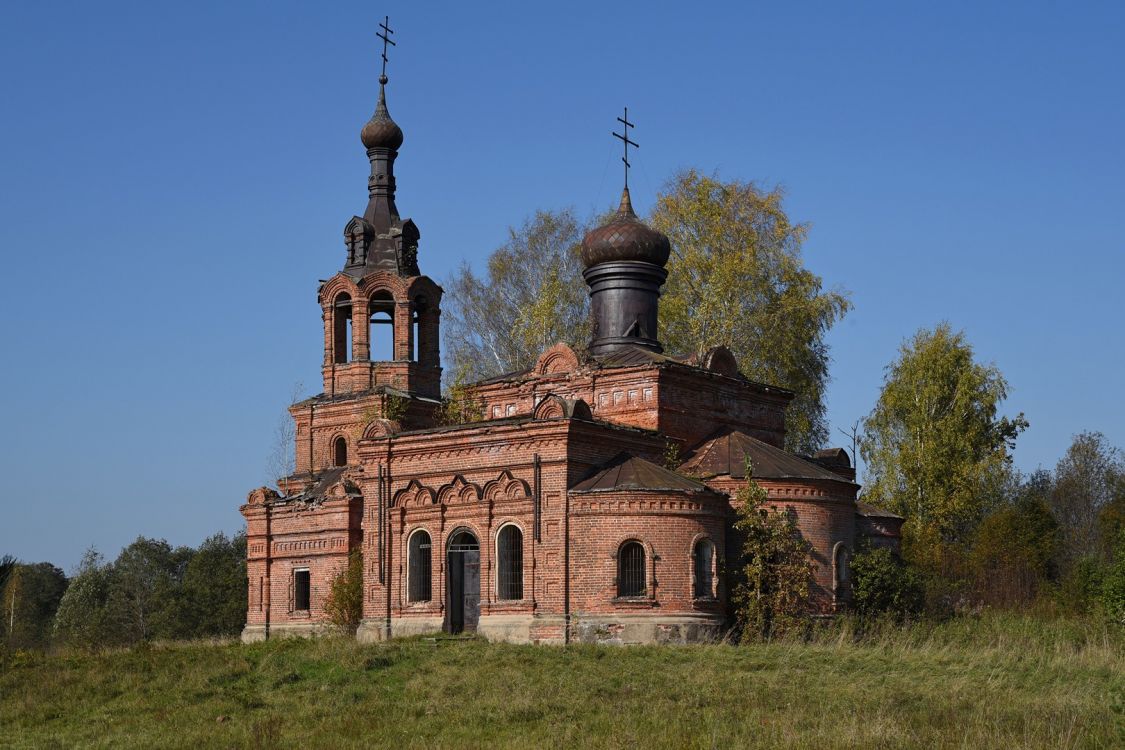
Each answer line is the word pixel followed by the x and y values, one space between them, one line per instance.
pixel 463 578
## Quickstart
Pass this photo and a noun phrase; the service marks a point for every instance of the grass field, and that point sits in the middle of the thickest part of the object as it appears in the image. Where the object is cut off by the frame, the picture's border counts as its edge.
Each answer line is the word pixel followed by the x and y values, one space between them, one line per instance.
pixel 997 681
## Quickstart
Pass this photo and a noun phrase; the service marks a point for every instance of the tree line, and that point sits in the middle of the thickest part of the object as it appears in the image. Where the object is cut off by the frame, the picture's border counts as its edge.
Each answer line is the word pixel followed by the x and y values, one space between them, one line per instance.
pixel 151 591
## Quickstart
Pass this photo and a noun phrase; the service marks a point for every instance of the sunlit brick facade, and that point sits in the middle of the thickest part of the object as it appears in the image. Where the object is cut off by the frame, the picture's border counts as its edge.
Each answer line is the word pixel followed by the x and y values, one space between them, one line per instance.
pixel 557 516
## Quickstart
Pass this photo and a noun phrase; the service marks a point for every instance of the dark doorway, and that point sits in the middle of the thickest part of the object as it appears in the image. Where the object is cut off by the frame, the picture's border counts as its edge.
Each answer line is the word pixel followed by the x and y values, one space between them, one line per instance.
pixel 464 583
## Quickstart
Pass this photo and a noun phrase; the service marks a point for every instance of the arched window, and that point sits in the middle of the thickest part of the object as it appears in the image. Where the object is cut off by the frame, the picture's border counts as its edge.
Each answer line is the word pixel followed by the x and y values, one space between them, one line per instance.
pixel 418 575
pixel 342 329
pixel 340 451
pixel 631 570
pixel 703 561
pixel 382 339
pixel 509 552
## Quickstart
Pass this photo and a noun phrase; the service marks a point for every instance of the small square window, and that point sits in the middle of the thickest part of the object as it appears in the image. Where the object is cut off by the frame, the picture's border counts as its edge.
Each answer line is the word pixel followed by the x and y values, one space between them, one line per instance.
pixel 511 409
pixel 632 397
pixel 646 394
pixel 496 411
pixel 302 590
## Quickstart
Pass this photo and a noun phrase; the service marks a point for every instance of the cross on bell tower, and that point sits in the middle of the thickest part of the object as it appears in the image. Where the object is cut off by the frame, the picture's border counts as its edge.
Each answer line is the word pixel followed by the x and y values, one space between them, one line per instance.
pixel 385 34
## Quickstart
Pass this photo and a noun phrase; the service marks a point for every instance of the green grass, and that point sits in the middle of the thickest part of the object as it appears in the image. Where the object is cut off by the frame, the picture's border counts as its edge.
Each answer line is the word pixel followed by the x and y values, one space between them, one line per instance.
pixel 998 681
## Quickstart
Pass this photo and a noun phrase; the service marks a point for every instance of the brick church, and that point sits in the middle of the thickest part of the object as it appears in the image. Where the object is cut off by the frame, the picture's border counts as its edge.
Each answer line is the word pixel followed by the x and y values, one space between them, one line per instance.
pixel 554 517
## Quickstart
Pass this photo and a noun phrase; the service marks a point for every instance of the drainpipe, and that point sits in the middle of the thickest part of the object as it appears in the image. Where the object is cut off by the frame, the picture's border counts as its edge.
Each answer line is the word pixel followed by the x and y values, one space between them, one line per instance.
pixel 269 571
pixel 566 566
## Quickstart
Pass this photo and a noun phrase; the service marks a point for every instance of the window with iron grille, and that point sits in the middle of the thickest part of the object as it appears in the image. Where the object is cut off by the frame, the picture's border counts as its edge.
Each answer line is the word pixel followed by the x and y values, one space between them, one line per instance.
pixel 419 570
pixel 703 557
pixel 631 570
pixel 301 590
pixel 510 572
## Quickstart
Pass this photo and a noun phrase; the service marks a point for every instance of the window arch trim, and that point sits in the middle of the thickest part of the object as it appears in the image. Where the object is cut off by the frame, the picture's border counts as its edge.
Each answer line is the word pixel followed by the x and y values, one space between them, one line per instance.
pixel 633 583
pixel 509 590
pixel 334 445
pixel 418 573
pixel 710 590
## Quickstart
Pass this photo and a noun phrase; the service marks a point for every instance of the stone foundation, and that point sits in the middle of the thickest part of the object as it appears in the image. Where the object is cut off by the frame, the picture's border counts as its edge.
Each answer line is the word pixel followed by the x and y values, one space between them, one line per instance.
pixel 256 633
pixel 628 629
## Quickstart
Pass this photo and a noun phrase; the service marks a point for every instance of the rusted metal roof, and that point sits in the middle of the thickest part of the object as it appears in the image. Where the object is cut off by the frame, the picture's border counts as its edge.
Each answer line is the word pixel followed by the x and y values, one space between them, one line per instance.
pixel 627 472
pixel 728 453
pixel 867 510
pixel 628 356
pixel 625 238
pixel 513 375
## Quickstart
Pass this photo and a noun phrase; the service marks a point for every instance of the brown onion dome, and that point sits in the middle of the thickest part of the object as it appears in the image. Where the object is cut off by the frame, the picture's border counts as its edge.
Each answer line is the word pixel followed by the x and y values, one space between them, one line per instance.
pixel 625 237
pixel 381 131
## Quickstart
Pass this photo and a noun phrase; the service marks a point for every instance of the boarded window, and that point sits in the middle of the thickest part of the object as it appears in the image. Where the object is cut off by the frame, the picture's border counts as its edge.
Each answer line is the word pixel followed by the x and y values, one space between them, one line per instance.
pixel 419 570
pixel 703 559
pixel 340 452
pixel 510 553
pixel 631 570
pixel 301 590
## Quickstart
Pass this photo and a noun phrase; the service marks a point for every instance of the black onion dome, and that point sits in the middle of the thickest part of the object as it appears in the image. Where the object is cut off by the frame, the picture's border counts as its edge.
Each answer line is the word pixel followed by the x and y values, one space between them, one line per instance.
pixel 625 237
pixel 381 131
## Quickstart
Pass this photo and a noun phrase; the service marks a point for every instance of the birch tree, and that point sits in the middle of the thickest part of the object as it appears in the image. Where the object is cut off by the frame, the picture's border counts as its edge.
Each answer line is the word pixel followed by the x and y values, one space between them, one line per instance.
pixel 736 278
pixel 935 445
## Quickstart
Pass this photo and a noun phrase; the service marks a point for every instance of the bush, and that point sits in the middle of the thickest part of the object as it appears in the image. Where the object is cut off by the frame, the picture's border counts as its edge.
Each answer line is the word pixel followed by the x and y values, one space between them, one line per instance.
pixel 1113 585
pixel 344 606
pixel 1013 553
pixel 1080 591
pixel 883 584
pixel 774 579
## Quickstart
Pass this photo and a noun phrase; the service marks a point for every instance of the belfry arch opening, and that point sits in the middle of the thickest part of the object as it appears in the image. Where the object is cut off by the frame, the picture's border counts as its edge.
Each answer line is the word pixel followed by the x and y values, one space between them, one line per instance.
pixel 342 328
pixel 419 340
pixel 382 331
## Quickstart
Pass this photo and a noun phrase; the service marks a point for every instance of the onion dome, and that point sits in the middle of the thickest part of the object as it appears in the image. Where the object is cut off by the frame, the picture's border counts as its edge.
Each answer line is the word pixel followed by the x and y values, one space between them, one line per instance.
pixel 625 237
pixel 381 131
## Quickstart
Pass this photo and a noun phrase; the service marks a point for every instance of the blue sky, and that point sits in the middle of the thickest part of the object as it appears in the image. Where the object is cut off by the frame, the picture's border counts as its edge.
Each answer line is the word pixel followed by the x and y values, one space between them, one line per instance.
pixel 175 177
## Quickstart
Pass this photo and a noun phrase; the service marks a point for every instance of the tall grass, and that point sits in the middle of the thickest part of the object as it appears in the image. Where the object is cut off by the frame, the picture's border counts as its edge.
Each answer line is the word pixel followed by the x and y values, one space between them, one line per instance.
pixel 994 681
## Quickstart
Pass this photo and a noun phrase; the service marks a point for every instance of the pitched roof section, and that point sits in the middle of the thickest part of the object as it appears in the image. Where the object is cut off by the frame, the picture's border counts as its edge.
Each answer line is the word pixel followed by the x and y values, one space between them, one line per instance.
pixel 727 454
pixel 867 510
pixel 626 472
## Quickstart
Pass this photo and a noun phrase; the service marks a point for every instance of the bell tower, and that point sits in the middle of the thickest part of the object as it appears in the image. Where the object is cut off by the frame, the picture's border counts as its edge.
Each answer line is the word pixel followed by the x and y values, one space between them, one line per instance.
pixel 381 316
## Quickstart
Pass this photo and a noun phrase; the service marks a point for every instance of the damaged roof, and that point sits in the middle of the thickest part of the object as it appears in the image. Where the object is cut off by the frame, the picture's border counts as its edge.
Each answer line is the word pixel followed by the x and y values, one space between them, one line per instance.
pixel 728 452
pixel 323 482
pixel 627 472
pixel 867 510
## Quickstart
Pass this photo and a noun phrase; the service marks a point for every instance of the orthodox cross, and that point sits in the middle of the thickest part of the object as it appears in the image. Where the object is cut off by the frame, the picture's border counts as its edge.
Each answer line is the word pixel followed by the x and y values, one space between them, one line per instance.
pixel 624 136
pixel 385 35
